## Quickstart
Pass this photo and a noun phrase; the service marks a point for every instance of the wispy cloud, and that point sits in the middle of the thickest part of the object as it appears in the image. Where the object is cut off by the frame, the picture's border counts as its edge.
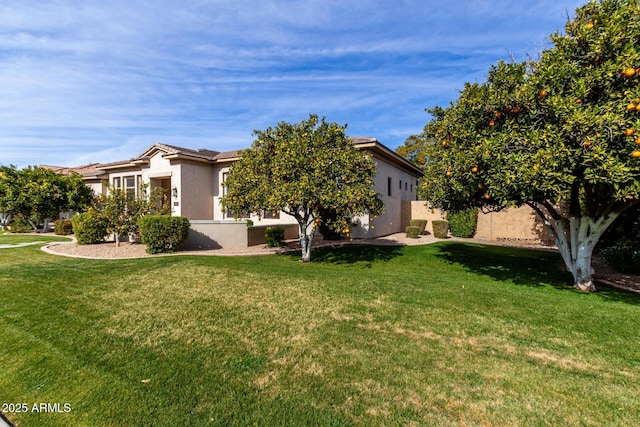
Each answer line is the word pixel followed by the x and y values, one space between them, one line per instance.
pixel 84 81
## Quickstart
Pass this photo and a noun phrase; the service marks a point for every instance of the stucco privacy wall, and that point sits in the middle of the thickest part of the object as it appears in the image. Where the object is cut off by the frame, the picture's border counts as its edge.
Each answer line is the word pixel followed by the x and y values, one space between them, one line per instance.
pixel 516 224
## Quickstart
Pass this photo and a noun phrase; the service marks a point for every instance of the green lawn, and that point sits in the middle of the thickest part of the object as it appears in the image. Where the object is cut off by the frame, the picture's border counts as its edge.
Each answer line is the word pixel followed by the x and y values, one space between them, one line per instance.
pixel 445 334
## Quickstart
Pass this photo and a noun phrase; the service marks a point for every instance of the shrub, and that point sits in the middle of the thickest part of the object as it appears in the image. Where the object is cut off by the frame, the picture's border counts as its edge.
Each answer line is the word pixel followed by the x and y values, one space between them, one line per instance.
pixel 624 256
pixel 89 227
pixel 420 223
pixel 63 227
pixel 274 236
pixel 412 231
pixel 440 228
pixel 19 225
pixel 463 223
pixel 163 233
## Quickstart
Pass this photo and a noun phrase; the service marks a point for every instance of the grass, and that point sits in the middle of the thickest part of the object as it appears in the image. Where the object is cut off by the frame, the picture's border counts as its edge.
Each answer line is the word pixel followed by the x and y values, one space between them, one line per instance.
pixel 445 334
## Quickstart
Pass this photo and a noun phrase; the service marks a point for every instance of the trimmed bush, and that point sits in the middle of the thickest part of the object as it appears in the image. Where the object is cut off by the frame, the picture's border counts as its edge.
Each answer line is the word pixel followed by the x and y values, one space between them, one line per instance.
pixel 412 231
pixel 463 223
pixel 19 225
pixel 420 223
pixel 440 228
pixel 89 227
pixel 274 236
pixel 163 233
pixel 63 227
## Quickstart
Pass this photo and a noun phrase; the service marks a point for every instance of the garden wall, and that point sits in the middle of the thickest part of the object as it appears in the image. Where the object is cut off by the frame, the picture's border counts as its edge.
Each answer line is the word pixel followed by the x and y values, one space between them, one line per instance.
pixel 513 224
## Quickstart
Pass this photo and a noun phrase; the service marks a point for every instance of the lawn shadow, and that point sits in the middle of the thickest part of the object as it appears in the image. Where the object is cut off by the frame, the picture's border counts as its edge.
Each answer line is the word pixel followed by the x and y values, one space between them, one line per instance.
pixel 526 267
pixel 357 255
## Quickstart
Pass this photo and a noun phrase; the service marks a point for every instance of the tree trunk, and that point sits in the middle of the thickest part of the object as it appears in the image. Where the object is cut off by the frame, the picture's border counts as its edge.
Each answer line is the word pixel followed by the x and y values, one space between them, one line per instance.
pixel 45 227
pixel 306 240
pixel 33 225
pixel 576 237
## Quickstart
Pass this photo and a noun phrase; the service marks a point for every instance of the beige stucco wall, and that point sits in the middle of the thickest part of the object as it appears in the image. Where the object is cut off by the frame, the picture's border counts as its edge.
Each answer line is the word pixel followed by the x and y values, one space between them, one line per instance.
pixel 216 235
pixel 516 224
pixel 195 190
pixel 419 210
pixel 519 224
pixel 392 219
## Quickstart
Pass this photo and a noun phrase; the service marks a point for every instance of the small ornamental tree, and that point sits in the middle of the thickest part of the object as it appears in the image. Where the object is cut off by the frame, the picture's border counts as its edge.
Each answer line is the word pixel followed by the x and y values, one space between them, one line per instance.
pixel 304 169
pixel 560 134
pixel 123 211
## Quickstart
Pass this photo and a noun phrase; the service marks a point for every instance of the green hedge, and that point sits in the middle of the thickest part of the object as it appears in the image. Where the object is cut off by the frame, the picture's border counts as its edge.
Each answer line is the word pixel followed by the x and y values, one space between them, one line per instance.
pixel 89 228
pixel 274 236
pixel 19 225
pixel 163 233
pixel 412 231
pixel 420 223
pixel 463 223
pixel 440 228
pixel 63 227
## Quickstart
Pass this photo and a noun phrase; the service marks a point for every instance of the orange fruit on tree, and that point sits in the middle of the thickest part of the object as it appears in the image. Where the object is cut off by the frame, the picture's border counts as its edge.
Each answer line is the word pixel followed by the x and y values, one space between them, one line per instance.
pixel 637 107
pixel 543 93
pixel 492 123
pixel 635 154
pixel 487 196
pixel 587 143
pixel 474 169
pixel 637 140
pixel 448 173
pixel 444 143
pixel 629 132
pixel 631 106
pixel 629 72
pixel 590 26
pixel 480 186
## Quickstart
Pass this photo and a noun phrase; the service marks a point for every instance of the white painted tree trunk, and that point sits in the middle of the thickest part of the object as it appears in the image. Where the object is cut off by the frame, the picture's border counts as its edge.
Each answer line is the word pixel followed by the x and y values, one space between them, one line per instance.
pixel 306 241
pixel 576 237
pixel 5 219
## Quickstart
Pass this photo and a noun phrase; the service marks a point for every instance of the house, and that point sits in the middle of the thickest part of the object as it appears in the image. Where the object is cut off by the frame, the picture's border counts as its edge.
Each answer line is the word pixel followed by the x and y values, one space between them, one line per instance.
pixel 193 180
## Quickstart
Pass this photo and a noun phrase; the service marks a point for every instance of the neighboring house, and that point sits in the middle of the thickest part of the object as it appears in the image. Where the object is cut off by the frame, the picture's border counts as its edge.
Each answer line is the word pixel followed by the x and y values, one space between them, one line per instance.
pixel 194 184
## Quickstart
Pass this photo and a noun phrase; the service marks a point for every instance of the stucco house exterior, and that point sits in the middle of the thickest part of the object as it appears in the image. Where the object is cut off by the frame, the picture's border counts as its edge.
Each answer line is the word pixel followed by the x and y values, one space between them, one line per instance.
pixel 193 180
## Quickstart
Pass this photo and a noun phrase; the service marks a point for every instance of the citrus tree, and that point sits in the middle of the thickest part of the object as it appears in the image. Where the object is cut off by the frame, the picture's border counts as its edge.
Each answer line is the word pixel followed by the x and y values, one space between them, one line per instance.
pixel 304 170
pixel 38 194
pixel 558 134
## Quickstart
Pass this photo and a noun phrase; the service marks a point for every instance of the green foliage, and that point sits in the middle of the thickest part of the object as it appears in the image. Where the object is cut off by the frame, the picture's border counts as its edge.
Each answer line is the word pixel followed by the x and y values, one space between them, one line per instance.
pixel 413 231
pixel 303 170
pixel 163 233
pixel 274 236
pixel 63 227
pixel 440 228
pixel 89 227
pixel 123 211
pixel 38 194
pixel 327 226
pixel 420 223
pixel 19 225
pixel 463 223
pixel 559 134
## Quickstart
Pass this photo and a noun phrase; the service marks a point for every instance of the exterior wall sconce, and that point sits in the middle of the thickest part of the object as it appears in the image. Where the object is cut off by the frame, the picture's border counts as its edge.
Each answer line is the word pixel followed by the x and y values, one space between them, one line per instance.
pixel 174 192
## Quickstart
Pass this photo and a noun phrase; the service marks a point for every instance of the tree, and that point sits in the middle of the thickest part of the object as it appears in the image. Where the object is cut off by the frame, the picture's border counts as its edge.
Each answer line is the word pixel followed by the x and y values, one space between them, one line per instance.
pixel 557 134
pixel 39 195
pixel 123 211
pixel 303 170
pixel 7 190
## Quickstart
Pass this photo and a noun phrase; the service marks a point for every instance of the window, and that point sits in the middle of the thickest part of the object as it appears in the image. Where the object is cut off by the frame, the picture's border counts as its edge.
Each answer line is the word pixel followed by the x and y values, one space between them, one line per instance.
pixel 412 188
pixel 130 186
pixel 400 185
pixel 117 183
pixel 406 186
pixel 389 186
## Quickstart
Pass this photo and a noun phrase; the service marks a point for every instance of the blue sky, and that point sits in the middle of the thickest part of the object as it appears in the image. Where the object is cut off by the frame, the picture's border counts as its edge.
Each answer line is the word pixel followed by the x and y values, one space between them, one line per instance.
pixel 100 81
